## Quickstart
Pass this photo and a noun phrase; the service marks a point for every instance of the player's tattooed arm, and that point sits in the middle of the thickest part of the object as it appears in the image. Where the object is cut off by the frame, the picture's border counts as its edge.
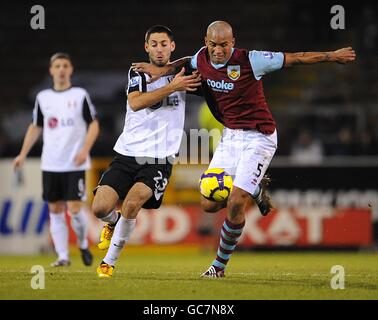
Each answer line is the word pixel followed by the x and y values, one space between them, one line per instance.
pixel 292 59
pixel 343 56
pixel 177 65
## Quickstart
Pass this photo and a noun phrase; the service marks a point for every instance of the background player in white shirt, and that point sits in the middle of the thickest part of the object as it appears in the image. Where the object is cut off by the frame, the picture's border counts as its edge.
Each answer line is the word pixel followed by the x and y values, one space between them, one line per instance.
pixel 150 139
pixel 67 118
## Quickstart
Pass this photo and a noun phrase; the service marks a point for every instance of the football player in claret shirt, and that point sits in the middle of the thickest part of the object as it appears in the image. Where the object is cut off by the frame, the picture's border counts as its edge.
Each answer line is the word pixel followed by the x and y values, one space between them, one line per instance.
pixel 232 87
pixel 68 120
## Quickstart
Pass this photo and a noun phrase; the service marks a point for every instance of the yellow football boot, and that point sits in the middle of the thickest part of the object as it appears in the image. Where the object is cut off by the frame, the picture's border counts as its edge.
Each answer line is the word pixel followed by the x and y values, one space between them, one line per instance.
pixel 105 270
pixel 107 234
pixel 105 237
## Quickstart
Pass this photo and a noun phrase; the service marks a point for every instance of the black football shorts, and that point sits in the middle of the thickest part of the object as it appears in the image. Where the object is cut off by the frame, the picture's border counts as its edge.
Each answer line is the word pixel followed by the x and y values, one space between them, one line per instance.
pixel 63 186
pixel 125 171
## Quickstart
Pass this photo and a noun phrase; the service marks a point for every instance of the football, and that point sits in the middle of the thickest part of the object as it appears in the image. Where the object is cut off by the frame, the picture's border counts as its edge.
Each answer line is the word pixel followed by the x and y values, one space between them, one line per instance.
pixel 215 184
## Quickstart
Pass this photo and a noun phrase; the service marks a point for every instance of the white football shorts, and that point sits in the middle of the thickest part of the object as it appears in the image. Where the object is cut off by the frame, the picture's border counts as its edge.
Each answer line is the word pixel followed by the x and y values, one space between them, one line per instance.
pixel 245 155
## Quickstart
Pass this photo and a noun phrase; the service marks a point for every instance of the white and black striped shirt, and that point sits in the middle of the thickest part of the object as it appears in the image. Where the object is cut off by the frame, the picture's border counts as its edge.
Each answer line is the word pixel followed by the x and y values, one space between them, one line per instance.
pixel 64 116
pixel 155 131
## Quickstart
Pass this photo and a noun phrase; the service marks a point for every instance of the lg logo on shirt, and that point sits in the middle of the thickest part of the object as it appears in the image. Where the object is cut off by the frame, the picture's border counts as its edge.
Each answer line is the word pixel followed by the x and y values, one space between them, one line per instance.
pixel 53 122
pixel 220 85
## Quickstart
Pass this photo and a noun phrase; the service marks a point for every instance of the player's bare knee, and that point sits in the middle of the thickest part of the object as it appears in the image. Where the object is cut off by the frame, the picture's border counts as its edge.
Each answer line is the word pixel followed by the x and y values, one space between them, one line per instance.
pixel 104 201
pixel 99 212
pixel 101 209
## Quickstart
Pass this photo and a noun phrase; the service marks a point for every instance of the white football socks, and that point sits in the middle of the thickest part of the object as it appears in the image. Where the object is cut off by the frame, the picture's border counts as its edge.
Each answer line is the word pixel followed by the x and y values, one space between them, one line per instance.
pixel 111 217
pixel 121 236
pixel 59 234
pixel 79 223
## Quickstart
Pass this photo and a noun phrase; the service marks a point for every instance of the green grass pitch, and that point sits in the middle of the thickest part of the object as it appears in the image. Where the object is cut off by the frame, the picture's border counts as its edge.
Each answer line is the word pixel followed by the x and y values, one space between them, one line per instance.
pixel 155 274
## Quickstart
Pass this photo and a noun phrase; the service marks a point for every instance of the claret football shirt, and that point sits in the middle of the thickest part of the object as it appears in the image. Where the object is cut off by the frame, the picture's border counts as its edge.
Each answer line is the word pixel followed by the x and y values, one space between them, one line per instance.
pixel 234 90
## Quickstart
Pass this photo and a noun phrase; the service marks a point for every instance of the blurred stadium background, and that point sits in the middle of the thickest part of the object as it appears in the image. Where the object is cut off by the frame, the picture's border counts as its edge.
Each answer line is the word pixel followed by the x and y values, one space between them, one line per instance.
pixel 325 171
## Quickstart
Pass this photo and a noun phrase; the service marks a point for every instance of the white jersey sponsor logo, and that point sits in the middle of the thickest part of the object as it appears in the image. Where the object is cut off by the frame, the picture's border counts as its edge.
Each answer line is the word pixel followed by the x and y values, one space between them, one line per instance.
pixel 220 85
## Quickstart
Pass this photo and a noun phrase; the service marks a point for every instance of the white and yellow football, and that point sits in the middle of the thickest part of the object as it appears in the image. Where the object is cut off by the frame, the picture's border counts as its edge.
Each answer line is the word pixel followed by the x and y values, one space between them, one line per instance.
pixel 215 184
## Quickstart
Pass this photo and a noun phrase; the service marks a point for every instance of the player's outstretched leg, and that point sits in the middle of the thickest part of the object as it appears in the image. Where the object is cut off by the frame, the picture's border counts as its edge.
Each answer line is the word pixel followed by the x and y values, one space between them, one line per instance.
pixel 262 197
pixel 133 202
pixel 230 234
pixel 231 231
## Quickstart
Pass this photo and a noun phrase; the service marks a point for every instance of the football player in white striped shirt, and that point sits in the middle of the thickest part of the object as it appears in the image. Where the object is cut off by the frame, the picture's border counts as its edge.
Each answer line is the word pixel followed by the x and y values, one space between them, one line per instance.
pixel 67 118
pixel 151 137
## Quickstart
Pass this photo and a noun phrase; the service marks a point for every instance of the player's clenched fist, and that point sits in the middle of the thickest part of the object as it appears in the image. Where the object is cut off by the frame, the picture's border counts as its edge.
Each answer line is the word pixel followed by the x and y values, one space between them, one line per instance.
pixel 345 55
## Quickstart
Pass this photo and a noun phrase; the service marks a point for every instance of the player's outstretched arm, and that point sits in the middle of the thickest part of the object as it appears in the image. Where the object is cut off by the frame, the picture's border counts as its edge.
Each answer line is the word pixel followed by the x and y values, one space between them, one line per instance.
pixel 31 137
pixel 156 72
pixel 141 100
pixel 343 56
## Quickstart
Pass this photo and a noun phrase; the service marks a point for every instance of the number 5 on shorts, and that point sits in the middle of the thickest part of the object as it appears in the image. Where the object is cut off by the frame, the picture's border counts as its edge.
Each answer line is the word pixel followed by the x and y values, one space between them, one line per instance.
pixel 259 166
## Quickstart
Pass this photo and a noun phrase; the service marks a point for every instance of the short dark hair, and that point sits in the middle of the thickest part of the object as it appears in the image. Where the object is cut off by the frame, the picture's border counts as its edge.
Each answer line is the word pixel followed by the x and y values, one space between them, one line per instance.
pixel 158 29
pixel 60 55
